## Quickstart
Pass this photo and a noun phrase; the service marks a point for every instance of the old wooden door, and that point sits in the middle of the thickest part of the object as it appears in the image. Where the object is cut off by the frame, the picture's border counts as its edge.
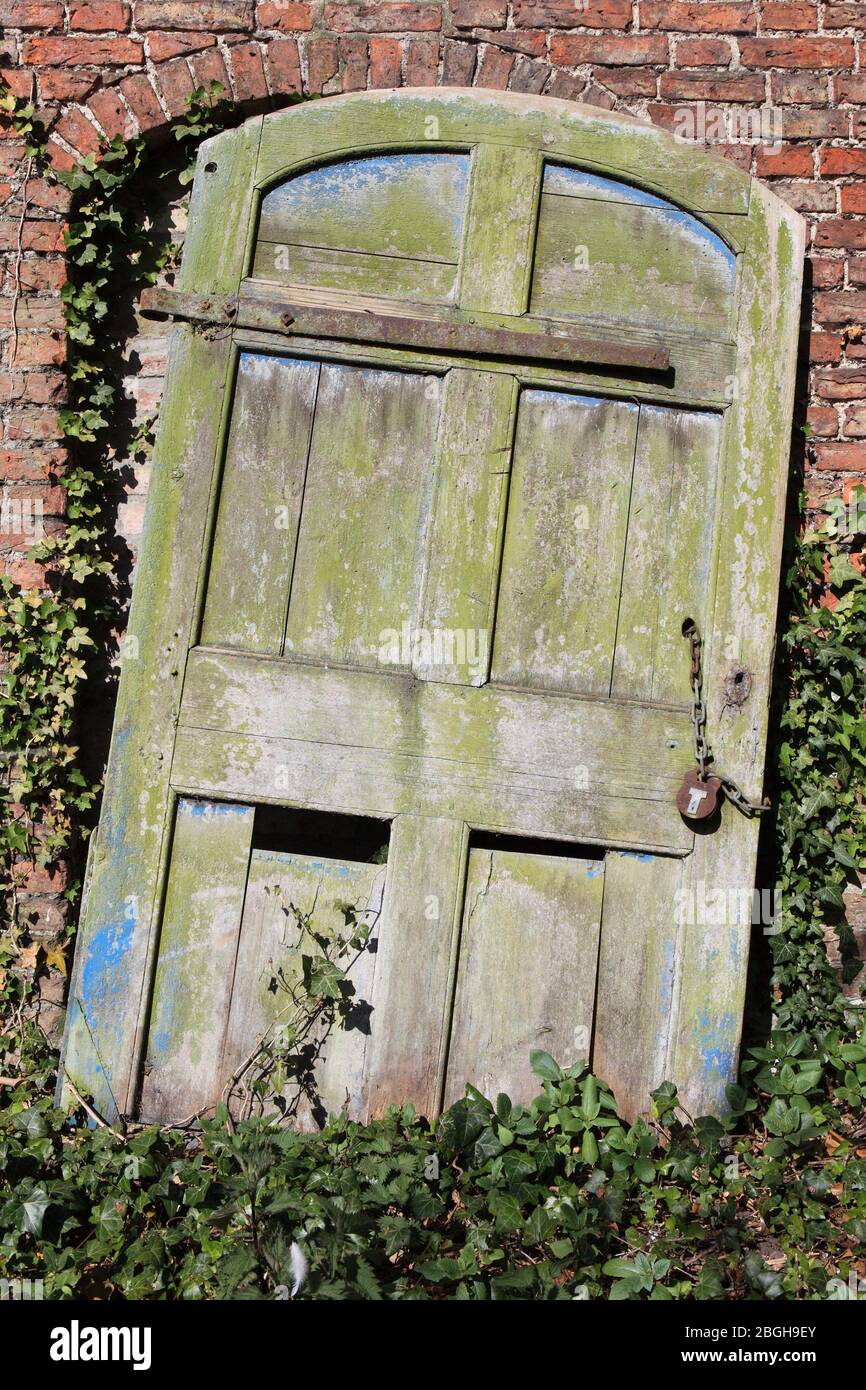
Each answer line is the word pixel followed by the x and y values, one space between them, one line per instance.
pixel 473 399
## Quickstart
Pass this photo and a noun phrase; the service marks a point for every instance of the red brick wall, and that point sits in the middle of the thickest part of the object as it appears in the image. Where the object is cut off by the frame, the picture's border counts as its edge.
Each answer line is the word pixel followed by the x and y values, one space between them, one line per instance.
pixel 110 66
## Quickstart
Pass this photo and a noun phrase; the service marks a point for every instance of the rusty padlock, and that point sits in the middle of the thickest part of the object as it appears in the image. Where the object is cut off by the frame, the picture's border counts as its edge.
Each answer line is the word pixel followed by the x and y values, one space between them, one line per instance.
pixel 696 799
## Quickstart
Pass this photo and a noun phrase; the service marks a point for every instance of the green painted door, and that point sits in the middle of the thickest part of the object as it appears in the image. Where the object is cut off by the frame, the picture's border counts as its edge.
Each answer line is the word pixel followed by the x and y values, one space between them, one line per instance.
pixel 472 400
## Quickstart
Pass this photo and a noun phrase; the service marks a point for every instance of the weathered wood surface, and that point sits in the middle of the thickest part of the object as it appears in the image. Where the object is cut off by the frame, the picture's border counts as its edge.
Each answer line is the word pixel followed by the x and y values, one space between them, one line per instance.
pixel 388 224
pixel 260 503
pixel 592 753
pixel 198 945
pixel 279 889
pixel 619 253
pixel 527 968
pixel 372 744
pixel 637 975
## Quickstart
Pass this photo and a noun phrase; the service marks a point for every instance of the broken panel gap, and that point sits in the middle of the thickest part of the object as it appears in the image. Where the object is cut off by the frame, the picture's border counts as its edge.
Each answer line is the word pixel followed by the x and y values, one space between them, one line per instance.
pixel 287 830
pixel 521 844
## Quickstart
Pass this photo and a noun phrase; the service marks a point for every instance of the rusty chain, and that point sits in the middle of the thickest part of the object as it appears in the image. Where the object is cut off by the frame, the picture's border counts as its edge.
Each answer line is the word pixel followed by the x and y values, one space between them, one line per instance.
pixel 703 756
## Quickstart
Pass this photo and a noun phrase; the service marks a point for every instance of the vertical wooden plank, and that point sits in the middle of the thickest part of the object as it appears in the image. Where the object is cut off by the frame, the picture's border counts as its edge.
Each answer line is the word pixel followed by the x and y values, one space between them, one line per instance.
pixel 415 959
pixel 637 973
pixel 363 523
pixel 564 541
pixel 472 466
pixel 269 964
pixel 740 636
pixel 669 550
pixel 198 943
pixel 114 954
pixel 496 260
pixel 526 974
pixel 260 503
pixel 221 212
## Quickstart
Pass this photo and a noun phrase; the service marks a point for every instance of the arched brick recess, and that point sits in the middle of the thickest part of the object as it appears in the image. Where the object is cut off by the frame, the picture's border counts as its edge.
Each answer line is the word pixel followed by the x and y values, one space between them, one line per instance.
pixel 111 67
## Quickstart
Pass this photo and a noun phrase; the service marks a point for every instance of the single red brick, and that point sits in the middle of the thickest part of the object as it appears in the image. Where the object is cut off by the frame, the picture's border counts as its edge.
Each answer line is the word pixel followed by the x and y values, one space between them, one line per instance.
pixel 811 123
pixel 285 15
pixel 698 17
pixel 566 14
pixel 387 17
pixel 25 573
pixel 34 465
pixel 856 273
pixel 784 161
pixel 823 421
pixel 284 66
pixel 627 82
pixel 209 67
pixel 854 425
pixel 162 46
pixel 712 86
pixel 849 306
pixel 597 96
pixel 841 384
pixel 803 18
pixel 384 63
pixel 839 231
pixel 853 196
pixel 827 274
pixel 841 457
pixel 703 53
pixel 422 62
pixel 32 878
pixel 844 17
pixel 40 350
pixel 111 114
pixel 175 84
pixel 78 131
pixel 20 83
pixel 37 388
pixel 322 62
pixel 570 50
pixel 794 88
pixel 32 422
pixel 98 16
pixel 848 88
pixel 100 53
pixel 32 312
pixel 139 94
pixel 31 14
pixel 35 236
pixel 458 63
pixel 354 57
pixel 484 14
pixel 530 41
pixel 807 197
pixel 219 15
pixel 43 273
pixel 528 75
pixel 250 83
pixel 797 53
pixel 836 161
pixel 64 84
pixel 494 69
pixel 565 86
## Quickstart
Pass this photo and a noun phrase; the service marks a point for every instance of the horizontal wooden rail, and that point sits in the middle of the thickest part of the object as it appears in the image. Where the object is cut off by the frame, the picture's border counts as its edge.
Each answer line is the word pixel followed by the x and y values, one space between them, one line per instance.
pixel 546 340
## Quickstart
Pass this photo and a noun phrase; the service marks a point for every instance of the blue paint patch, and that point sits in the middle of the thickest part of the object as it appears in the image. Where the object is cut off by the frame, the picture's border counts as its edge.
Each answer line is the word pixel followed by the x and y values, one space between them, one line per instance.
pixel 209 808
pixel 639 855
pixel 595 870
pixel 717 1048
pixel 578 183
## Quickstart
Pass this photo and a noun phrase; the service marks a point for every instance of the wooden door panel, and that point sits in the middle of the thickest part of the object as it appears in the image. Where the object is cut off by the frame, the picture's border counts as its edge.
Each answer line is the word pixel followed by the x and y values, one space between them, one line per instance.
pixel 390 225
pixel 527 968
pixel 669 570
pixel 637 975
pixel 532 763
pixel 198 945
pixel 612 252
pixel 260 502
pixel 564 542
pixel 280 888
pixel 362 531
